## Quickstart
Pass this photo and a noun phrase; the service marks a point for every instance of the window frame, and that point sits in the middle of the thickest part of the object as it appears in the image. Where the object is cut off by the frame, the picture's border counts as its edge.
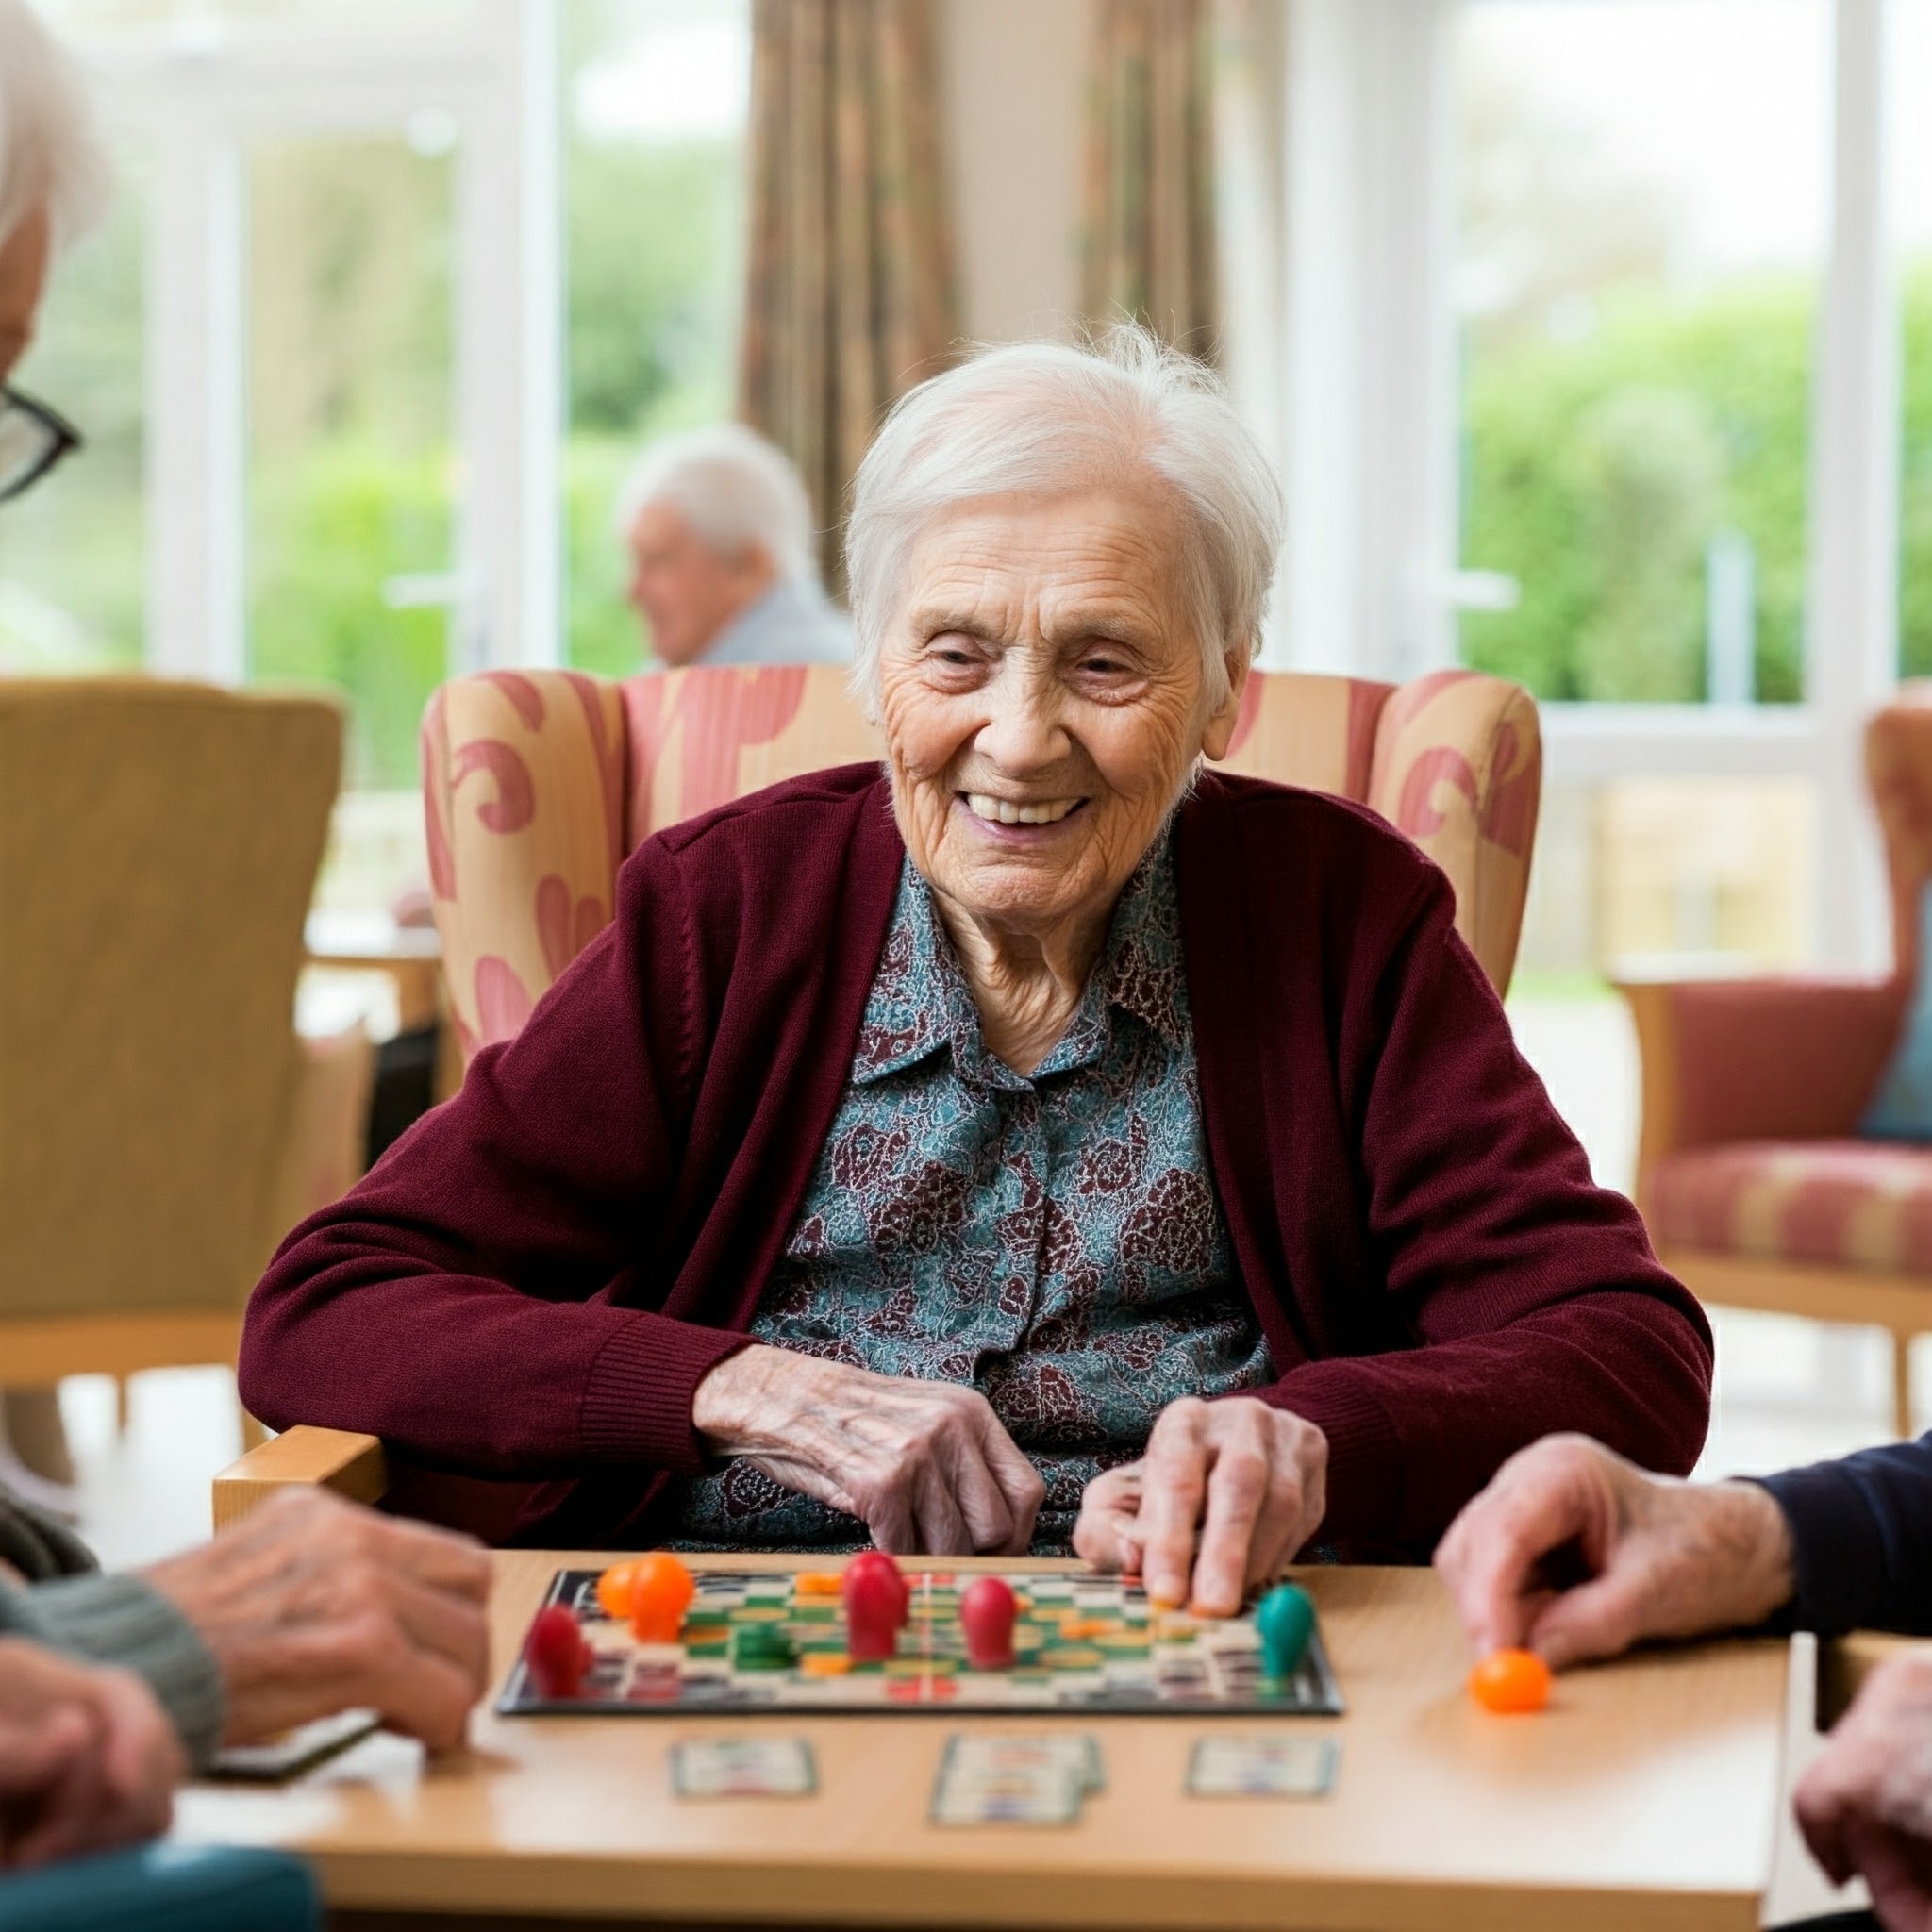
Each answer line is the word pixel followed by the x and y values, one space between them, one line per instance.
pixel 1369 382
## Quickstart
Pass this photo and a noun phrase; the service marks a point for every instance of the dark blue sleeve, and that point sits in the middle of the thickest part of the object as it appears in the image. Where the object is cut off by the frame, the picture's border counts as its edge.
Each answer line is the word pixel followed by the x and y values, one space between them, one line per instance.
pixel 1862 1534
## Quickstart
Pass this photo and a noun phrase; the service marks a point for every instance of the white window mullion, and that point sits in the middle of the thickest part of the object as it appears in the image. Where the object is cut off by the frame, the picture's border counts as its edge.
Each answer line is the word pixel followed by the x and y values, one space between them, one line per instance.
pixel 194 385
pixel 1852 626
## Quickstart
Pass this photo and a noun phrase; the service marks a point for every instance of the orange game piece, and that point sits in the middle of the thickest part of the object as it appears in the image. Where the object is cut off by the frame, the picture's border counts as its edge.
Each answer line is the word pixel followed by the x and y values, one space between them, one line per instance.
pixel 1510 1682
pixel 817 1583
pixel 824 1663
pixel 613 1590
pixel 660 1593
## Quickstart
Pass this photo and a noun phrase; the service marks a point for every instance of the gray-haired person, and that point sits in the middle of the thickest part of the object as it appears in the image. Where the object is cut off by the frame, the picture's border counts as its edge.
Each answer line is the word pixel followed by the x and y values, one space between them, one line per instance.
pixel 112 1687
pixel 722 538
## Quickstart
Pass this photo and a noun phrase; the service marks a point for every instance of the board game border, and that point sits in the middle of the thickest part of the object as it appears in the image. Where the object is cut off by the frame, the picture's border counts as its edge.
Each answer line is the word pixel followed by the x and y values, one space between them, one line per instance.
pixel 518 1698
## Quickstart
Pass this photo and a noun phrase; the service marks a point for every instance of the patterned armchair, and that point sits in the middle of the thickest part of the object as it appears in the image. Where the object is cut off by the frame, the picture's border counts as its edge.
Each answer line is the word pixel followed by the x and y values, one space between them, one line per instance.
pixel 1758 1192
pixel 536 784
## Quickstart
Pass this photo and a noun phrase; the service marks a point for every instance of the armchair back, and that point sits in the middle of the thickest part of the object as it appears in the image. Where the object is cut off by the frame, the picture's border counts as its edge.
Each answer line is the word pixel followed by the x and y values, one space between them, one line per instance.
pixel 538 783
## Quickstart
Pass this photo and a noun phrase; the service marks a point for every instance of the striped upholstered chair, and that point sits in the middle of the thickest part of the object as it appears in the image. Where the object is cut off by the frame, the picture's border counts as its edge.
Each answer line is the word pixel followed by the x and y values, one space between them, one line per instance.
pixel 536 783
pixel 1751 1175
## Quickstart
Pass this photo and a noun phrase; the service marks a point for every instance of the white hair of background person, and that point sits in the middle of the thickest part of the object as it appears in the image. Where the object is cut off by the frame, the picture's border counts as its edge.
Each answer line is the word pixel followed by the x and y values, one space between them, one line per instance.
pixel 1047 418
pixel 735 490
pixel 50 153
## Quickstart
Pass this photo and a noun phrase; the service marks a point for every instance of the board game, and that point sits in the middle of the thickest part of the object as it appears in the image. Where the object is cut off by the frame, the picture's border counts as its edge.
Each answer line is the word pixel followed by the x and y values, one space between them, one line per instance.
pixel 1082 1645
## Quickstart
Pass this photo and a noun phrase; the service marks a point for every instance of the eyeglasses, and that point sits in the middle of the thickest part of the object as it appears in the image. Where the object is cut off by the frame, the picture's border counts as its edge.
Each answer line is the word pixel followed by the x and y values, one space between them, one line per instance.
pixel 32 440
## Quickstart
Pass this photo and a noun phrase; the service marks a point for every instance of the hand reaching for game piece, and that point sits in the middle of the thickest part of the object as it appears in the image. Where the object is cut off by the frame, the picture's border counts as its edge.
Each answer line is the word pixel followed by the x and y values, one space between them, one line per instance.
pixel 926 1466
pixel 1575 1554
pixel 1248 1479
pixel 312 1606
pixel 87 1758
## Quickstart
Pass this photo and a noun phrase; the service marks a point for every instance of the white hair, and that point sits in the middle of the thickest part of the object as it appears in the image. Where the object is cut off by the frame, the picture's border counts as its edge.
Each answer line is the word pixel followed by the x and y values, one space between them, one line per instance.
pixel 1046 418
pixel 735 490
pixel 50 155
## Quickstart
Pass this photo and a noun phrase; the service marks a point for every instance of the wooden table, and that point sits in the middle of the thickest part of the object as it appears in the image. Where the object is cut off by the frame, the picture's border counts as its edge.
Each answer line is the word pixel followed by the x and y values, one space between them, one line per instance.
pixel 1647 1794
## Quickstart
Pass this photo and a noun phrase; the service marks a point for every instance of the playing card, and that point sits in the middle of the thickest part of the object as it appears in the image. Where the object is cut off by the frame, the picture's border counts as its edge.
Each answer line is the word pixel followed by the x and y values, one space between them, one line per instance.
pixel 1077 1752
pixel 275 1760
pixel 744 1768
pixel 981 1783
pixel 1266 1766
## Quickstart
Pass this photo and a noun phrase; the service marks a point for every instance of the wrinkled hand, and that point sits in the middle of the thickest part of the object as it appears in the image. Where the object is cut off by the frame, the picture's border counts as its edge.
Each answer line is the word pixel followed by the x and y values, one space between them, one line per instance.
pixel 926 1466
pixel 1576 1554
pixel 312 1605
pixel 87 1758
pixel 1866 1802
pixel 1252 1481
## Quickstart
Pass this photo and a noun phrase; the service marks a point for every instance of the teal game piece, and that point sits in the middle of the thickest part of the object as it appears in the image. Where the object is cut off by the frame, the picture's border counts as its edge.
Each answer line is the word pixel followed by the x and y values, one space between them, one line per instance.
pixel 1285 1622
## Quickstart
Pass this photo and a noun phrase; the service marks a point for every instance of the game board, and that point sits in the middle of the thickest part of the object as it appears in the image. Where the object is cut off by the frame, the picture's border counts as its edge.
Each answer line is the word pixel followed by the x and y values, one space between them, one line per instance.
pixel 1085 1645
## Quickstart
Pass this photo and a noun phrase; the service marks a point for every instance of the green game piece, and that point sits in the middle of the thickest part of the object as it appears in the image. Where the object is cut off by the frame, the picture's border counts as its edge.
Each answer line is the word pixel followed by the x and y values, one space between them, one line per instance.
pixel 1285 1622
pixel 762 1647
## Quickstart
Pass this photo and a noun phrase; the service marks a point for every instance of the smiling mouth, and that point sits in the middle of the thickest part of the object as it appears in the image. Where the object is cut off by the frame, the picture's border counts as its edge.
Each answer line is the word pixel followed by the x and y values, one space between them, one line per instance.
pixel 1012 811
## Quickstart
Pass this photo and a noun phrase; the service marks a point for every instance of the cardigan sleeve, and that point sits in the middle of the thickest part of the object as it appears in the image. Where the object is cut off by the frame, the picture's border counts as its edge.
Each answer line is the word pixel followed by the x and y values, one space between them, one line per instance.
pixel 1861 1540
pixel 465 1300
pixel 1530 1297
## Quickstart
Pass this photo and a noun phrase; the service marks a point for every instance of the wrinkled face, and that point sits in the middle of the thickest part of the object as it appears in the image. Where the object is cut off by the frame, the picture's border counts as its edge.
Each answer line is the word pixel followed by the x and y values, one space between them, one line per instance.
pixel 1041 694
pixel 23 275
pixel 683 588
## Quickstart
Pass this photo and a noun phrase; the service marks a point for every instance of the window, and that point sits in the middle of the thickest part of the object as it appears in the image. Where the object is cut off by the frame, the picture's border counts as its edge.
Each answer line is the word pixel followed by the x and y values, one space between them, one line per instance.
pixel 72 551
pixel 656 96
pixel 1641 245
pixel 1912 179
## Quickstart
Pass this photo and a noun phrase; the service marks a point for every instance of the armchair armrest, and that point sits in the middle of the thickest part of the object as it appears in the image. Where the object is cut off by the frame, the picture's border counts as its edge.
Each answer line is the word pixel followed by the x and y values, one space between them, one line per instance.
pixel 351 1464
pixel 1758 1059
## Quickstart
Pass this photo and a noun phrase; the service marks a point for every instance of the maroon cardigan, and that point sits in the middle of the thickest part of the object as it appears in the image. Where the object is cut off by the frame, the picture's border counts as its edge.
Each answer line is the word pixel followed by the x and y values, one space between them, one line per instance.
pixel 532 1282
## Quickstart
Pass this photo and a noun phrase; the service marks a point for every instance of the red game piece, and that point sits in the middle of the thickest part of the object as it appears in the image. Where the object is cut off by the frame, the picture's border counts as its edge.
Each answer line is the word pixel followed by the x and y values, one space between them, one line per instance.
pixel 877 1600
pixel 556 1652
pixel 986 1614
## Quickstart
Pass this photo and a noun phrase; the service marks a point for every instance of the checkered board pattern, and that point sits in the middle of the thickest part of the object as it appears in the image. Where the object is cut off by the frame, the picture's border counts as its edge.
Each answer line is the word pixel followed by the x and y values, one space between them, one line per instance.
pixel 1085 1645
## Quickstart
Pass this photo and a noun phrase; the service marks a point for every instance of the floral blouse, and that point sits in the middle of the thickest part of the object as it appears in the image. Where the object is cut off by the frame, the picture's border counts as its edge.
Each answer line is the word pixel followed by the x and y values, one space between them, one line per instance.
pixel 1055 1240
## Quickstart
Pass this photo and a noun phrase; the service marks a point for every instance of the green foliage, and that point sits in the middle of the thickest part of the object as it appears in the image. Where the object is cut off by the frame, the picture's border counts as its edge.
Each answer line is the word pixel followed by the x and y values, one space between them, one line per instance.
pixel 1598 470
pixel 1915 504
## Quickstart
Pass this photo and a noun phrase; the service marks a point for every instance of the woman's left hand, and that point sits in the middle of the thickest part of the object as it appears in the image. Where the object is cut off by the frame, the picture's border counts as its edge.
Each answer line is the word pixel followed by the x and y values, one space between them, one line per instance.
pixel 1248 1481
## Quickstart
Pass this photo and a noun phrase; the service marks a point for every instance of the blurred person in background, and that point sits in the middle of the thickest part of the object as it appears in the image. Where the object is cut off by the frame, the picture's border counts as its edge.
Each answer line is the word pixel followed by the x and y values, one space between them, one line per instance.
pixel 112 1687
pixel 720 539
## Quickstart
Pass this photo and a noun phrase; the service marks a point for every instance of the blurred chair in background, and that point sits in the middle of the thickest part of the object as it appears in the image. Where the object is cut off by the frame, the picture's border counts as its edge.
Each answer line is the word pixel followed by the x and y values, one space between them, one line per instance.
pixel 160 1124
pixel 1766 1177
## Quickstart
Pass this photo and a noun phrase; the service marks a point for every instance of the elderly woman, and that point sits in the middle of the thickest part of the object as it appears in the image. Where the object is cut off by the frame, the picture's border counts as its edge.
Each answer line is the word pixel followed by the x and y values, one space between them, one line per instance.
pixel 1040 1141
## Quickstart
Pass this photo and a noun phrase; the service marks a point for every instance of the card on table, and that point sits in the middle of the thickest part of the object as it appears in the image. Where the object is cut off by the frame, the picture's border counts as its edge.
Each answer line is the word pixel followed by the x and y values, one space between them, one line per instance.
pixel 277 1760
pixel 744 1768
pixel 1015 1780
pixel 1266 1766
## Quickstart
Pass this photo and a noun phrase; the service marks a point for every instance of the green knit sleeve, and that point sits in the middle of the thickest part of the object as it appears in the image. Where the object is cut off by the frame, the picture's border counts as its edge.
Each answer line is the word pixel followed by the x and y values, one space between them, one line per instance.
pixel 122 1621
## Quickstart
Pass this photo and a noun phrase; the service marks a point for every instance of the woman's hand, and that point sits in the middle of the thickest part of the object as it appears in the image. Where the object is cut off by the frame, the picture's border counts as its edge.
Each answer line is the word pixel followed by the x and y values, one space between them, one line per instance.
pixel 87 1758
pixel 1866 1802
pixel 1250 1481
pixel 1577 1553
pixel 926 1466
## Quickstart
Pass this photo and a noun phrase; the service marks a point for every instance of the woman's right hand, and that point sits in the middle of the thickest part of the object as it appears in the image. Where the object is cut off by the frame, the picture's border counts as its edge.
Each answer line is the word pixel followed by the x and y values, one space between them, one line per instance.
pixel 926 1466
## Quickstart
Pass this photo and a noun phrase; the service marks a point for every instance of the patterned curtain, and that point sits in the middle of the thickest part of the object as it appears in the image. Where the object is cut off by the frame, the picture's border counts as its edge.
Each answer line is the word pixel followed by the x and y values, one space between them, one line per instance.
pixel 1148 246
pixel 851 295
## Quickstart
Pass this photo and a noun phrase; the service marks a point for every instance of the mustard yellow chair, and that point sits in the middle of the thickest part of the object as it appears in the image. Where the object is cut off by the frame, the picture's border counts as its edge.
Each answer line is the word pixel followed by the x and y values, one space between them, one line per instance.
pixel 160 1126
pixel 536 784
pixel 1757 1191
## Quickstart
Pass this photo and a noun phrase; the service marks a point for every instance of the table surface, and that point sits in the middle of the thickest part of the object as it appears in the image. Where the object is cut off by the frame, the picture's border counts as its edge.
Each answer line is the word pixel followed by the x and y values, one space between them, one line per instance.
pixel 1648 1787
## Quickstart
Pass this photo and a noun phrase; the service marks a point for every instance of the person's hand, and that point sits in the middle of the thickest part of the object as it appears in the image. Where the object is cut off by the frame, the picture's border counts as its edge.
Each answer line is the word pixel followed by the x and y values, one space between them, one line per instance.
pixel 926 1466
pixel 1865 1804
pixel 1574 1553
pixel 1249 1481
pixel 87 1758
pixel 312 1605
